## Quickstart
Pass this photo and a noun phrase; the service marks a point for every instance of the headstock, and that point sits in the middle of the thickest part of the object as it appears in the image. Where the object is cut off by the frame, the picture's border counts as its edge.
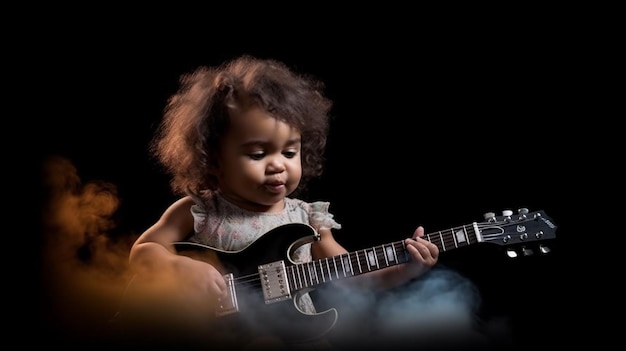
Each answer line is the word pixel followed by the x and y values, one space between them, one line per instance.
pixel 520 232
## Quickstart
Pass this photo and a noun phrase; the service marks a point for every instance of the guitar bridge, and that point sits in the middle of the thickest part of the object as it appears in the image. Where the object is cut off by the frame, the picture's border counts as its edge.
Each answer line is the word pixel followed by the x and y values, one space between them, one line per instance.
pixel 228 304
pixel 275 284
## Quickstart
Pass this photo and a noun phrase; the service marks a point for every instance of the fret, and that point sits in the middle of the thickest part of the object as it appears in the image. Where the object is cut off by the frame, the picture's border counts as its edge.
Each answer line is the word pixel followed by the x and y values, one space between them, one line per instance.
pixel 465 237
pixel 443 242
pixel 321 269
pixel 459 236
pixel 405 255
pixel 330 274
pixel 320 266
pixel 471 235
pixel 382 258
pixel 433 239
pixel 324 267
pixel 317 278
pixel 395 252
pixel 375 257
pixel 359 262
pixel 310 276
pixel 454 234
pixel 477 233
pixel 304 278
pixel 346 259
pixel 335 258
pixel 340 265
pixel 371 258
pixel 299 278
pixel 368 260
pixel 335 265
pixel 385 254
pixel 292 280
pixel 449 240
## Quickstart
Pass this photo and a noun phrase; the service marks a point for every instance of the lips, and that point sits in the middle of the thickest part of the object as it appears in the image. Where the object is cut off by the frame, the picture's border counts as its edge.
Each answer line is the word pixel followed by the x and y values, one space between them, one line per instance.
pixel 275 187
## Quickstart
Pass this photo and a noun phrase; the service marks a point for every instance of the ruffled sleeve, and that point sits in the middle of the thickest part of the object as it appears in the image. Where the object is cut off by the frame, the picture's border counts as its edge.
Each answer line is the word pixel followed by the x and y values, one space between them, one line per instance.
pixel 199 213
pixel 320 218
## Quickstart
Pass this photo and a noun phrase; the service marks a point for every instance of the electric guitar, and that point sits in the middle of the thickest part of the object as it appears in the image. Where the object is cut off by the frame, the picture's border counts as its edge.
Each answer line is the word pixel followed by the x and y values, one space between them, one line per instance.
pixel 264 284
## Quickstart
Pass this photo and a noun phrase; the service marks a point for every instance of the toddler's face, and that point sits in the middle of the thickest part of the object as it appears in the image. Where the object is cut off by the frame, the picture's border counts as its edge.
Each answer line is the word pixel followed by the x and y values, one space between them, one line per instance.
pixel 259 161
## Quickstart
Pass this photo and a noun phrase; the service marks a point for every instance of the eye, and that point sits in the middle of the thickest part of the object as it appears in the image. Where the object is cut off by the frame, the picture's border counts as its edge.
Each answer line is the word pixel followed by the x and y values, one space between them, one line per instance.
pixel 257 155
pixel 290 154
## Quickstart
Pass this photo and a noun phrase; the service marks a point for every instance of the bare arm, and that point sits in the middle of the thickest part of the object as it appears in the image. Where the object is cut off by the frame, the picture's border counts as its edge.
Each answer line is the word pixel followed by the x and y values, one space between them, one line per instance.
pixel 153 255
pixel 153 250
pixel 424 255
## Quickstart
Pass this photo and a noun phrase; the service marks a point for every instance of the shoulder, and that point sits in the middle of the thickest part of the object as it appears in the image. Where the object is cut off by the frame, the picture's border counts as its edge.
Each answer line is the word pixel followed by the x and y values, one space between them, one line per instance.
pixel 182 204
pixel 293 202
pixel 179 210
pixel 293 205
pixel 317 211
pixel 309 207
pixel 177 215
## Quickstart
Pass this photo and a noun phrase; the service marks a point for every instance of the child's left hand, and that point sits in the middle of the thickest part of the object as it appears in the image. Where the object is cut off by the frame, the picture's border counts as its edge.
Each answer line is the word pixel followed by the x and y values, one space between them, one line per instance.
pixel 424 255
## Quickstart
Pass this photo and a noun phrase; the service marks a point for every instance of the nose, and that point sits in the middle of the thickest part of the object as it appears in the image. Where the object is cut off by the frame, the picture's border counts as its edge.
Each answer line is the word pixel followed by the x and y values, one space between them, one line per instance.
pixel 276 164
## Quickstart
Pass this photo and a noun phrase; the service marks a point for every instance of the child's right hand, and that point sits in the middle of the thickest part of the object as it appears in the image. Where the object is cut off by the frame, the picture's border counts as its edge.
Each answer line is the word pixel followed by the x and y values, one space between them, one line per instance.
pixel 199 282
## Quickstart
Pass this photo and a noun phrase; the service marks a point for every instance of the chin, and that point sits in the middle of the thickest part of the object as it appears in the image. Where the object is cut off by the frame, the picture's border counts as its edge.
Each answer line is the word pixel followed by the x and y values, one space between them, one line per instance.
pixel 273 201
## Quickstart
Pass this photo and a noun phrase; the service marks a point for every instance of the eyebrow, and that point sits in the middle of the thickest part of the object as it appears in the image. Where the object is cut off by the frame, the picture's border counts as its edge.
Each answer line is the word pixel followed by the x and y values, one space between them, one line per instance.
pixel 289 142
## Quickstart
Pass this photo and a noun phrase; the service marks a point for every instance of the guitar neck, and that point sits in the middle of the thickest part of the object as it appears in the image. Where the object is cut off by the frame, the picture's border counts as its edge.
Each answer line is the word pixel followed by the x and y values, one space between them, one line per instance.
pixel 363 261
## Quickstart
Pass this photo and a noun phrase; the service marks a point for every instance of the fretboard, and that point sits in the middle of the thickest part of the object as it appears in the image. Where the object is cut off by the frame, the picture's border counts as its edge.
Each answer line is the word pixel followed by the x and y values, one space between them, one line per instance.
pixel 362 261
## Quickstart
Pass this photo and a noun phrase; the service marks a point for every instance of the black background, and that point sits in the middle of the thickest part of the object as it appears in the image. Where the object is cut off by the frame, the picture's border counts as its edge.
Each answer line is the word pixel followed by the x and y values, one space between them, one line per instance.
pixel 432 125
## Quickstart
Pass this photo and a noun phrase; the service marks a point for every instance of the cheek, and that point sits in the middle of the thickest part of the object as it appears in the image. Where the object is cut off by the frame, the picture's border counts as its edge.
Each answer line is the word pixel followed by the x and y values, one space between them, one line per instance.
pixel 238 169
pixel 254 171
pixel 295 168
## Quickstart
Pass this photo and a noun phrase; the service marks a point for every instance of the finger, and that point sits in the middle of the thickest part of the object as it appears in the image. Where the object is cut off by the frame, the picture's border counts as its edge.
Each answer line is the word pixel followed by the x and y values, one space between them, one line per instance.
pixel 433 250
pixel 222 285
pixel 424 248
pixel 216 283
pixel 419 232
pixel 414 251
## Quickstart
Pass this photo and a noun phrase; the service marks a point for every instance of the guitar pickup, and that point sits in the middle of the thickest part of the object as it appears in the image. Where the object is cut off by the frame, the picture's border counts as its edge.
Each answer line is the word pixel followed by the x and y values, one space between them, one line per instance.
pixel 274 281
pixel 228 304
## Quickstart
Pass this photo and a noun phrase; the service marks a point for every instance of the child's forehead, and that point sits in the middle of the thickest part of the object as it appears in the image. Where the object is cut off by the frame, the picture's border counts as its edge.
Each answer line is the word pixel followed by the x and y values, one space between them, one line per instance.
pixel 257 124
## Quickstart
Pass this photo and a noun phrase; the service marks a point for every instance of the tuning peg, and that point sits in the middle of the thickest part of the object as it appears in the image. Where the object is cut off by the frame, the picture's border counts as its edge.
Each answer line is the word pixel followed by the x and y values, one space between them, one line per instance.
pixel 490 216
pixel 507 215
pixel 544 249
pixel 511 253
pixel 522 213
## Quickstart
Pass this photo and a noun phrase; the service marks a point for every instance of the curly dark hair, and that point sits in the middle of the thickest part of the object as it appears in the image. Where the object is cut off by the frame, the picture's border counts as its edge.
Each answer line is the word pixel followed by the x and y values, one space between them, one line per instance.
pixel 196 116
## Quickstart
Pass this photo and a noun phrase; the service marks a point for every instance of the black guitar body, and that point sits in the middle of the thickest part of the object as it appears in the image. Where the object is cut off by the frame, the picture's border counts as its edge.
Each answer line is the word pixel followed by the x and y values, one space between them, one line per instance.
pixel 254 316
